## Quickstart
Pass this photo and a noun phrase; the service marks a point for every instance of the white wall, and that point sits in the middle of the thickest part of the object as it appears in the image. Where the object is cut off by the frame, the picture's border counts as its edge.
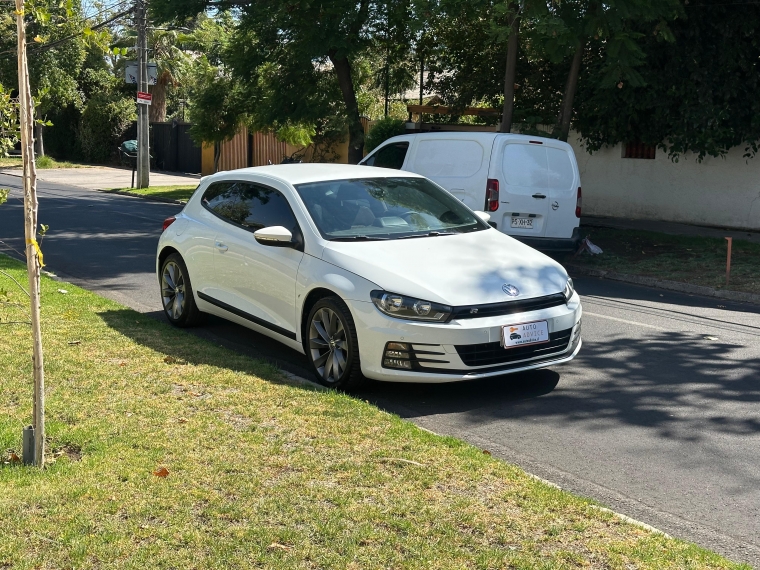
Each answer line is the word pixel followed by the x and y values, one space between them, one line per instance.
pixel 715 192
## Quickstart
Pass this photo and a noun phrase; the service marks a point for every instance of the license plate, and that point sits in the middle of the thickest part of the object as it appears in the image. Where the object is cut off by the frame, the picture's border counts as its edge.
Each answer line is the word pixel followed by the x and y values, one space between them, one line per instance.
pixel 525 333
pixel 524 223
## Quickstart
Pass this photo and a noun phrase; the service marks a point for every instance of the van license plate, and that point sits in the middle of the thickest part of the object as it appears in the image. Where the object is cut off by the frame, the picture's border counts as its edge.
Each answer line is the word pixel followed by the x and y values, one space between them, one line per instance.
pixel 524 223
pixel 525 333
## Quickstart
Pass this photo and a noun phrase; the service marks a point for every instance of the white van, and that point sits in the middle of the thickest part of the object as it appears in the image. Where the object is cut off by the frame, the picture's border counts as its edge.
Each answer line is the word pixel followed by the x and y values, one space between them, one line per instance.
pixel 530 186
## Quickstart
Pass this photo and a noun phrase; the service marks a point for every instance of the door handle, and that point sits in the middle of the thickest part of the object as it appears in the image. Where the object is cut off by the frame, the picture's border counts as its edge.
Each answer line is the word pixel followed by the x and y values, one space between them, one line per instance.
pixel 539 196
pixel 220 246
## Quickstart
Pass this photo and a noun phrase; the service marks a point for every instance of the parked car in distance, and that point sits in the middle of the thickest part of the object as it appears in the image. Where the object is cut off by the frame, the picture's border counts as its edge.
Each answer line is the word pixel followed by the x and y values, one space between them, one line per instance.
pixel 530 185
pixel 369 272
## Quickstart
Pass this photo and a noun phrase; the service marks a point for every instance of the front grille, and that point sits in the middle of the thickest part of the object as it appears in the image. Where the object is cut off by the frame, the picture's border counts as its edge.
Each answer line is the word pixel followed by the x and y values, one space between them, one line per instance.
pixel 507 307
pixel 489 353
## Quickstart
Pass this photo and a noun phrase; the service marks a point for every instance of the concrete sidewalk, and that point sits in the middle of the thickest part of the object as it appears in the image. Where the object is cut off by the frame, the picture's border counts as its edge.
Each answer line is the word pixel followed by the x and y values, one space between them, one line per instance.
pixel 672 228
pixel 104 177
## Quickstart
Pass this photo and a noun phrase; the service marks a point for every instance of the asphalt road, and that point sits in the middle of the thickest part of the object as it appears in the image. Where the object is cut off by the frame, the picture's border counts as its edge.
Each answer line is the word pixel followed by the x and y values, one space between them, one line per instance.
pixel 657 418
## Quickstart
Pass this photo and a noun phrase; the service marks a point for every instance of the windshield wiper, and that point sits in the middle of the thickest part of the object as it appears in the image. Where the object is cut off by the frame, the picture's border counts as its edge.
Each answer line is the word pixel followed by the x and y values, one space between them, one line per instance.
pixel 430 234
pixel 360 238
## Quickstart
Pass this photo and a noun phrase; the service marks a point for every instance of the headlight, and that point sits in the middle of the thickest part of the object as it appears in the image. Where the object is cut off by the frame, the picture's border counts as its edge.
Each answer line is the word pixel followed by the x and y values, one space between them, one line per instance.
pixel 569 290
pixel 403 307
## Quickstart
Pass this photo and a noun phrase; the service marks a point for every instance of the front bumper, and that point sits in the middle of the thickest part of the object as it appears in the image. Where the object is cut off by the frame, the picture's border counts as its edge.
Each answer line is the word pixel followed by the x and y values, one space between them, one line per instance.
pixel 443 348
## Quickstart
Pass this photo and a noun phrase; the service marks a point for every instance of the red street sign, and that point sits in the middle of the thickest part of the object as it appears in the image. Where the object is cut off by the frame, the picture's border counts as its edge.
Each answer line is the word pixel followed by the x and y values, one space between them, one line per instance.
pixel 144 98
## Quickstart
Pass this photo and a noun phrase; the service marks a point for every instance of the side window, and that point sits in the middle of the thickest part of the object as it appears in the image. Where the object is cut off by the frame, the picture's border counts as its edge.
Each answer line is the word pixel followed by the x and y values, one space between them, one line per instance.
pixel 252 206
pixel 391 156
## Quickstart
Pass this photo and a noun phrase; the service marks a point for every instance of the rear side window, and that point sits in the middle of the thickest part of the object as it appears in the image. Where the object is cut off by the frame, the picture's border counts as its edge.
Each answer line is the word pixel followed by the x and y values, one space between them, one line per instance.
pixel 391 156
pixel 525 165
pixel 561 174
pixel 252 206
pixel 450 158
pixel 533 166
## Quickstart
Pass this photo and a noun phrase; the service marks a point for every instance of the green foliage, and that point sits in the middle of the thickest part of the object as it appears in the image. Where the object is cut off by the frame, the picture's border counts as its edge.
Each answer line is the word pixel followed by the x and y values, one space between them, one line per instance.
pixel 382 131
pixel 4 195
pixel 699 93
pixel 104 121
pixel 215 113
pixel 9 129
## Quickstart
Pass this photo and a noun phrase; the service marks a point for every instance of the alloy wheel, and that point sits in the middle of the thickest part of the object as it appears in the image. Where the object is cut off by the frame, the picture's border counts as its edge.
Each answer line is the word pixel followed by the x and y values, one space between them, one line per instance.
pixel 173 290
pixel 328 346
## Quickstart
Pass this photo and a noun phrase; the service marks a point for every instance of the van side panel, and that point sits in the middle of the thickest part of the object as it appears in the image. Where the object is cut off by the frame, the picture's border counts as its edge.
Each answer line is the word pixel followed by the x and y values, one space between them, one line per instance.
pixel 457 163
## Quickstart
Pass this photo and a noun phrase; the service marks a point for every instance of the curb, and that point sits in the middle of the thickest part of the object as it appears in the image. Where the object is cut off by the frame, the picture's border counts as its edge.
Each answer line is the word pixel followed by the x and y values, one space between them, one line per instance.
pixel 664 284
pixel 143 196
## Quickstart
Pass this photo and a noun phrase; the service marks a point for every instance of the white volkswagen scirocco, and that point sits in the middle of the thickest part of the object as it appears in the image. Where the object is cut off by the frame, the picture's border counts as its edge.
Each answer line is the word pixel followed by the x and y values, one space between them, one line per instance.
pixel 370 272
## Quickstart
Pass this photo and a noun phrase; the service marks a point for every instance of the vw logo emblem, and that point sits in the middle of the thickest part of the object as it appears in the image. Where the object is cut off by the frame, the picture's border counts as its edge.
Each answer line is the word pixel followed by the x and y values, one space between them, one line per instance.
pixel 510 290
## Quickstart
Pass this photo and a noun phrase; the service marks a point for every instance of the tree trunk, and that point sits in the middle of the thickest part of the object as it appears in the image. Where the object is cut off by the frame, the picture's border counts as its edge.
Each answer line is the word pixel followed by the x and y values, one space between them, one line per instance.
pixel 510 75
pixel 217 155
pixel 355 127
pixel 157 107
pixel 39 143
pixel 33 253
pixel 571 86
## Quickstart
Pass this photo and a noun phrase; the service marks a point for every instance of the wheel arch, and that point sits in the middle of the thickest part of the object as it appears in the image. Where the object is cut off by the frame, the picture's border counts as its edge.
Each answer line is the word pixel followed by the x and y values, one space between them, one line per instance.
pixel 311 299
pixel 165 252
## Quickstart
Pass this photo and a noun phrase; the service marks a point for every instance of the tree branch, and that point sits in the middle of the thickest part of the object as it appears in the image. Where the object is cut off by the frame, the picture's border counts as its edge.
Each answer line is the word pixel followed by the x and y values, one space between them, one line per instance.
pixel 16 282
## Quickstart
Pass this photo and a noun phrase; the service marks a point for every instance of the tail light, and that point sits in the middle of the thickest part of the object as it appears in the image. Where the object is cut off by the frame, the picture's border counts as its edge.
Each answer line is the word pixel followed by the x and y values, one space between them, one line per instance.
pixel 578 203
pixel 492 195
pixel 169 221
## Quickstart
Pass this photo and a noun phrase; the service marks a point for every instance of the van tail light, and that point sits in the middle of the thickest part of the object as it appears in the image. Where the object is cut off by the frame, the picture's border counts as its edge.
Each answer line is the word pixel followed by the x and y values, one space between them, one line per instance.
pixel 169 221
pixel 492 195
pixel 578 203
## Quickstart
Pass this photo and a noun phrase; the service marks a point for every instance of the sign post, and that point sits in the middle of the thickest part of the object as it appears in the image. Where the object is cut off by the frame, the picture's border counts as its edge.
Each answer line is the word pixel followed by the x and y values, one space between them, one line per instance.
pixel 144 98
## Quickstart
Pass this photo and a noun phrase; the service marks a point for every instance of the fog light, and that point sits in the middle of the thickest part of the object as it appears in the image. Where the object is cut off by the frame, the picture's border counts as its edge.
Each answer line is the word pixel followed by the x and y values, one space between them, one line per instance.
pixel 398 355
pixel 396 363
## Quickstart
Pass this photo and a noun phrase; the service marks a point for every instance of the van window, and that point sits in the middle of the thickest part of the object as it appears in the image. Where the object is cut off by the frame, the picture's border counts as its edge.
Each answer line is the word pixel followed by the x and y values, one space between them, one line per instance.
pixel 451 158
pixel 391 156
pixel 525 165
pixel 561 175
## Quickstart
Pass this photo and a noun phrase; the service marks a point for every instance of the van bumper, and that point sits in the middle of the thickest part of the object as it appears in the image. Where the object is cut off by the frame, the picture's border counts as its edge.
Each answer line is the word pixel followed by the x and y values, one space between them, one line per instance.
pixel 553 244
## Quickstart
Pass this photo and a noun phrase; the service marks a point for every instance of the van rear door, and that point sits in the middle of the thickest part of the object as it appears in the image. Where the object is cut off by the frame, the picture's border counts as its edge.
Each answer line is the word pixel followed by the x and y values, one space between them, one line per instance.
pixel 521 167
pixel 458 164
pixel 564 181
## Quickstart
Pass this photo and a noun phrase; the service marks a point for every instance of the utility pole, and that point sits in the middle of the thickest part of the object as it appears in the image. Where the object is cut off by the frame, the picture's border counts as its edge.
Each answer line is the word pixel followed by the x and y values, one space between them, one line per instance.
pixel 143 126
pixel 33 253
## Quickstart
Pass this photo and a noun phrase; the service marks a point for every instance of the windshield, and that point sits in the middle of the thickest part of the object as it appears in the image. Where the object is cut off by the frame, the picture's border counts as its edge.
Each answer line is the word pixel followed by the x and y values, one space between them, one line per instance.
pixel 385 208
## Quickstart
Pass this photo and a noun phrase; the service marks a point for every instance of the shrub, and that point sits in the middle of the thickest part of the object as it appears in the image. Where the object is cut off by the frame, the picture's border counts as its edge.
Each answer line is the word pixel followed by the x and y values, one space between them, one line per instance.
pixel 104 121
pixel 382 131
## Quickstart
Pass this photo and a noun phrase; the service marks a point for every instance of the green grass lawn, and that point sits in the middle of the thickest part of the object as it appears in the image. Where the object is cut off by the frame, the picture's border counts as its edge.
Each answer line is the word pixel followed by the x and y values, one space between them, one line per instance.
pixel 43 162
pixel 696 260
pixel 261 473
pixel 180 193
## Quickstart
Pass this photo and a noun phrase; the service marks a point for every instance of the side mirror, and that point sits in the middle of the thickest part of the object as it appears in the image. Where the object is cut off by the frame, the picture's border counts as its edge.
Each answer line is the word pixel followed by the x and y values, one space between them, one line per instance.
pixel 276 236
pixel 485 216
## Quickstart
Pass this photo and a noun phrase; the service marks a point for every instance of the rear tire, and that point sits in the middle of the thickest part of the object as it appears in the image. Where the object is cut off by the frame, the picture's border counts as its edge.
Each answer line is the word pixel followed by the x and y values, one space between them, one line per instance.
pixel 177 293
pixel 331 345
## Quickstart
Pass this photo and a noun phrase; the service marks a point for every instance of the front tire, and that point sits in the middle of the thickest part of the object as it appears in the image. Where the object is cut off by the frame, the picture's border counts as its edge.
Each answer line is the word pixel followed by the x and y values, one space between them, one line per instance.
pixel 331 345
pixel 177 293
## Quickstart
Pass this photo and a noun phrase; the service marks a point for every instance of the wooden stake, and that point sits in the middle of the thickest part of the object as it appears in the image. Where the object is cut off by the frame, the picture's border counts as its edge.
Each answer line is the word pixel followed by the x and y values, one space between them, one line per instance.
pixel 33 253
pixel 728 260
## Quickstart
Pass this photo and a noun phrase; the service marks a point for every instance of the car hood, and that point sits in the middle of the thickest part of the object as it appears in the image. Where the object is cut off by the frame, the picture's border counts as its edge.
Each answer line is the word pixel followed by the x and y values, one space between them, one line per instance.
pixel 462 269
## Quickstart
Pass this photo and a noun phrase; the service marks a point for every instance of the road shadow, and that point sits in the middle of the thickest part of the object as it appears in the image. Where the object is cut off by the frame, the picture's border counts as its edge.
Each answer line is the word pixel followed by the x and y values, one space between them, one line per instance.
pixel 679 384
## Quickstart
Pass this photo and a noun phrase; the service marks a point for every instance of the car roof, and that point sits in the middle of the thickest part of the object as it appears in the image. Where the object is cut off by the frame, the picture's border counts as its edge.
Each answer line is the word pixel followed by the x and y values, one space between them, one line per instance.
pixel 486 137
pixel 312 172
